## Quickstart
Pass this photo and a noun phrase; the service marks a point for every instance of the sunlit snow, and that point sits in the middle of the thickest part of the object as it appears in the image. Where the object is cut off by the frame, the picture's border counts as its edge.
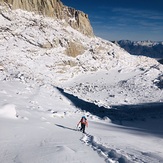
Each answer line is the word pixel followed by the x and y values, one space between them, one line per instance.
pixel 44 93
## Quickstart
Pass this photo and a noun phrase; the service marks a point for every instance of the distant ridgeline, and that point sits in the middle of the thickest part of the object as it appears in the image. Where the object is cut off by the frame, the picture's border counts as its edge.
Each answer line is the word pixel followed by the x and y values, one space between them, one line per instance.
pixel 146 48
pixel 54 8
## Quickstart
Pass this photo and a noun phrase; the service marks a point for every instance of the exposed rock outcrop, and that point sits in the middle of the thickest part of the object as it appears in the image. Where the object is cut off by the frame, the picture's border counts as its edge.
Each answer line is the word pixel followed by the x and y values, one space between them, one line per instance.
pixel 74 49
pixel 55 8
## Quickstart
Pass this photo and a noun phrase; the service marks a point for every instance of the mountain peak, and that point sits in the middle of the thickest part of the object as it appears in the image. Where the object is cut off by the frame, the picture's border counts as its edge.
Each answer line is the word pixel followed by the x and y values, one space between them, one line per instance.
pixel 153 49
pixel 55 9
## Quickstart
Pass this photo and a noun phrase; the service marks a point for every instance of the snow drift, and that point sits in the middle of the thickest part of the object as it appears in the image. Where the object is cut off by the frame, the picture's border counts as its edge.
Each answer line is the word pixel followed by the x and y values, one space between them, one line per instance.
pixel 8 111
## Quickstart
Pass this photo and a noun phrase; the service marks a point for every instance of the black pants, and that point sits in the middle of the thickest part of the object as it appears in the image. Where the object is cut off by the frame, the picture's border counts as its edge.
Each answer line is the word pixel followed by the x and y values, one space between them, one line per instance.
pixel 82 128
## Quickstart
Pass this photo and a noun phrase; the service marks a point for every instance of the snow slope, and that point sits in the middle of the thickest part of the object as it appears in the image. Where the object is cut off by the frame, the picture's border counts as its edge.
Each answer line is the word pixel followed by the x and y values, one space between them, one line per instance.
pixel 41 127
pixel 22 54
pixel 44 93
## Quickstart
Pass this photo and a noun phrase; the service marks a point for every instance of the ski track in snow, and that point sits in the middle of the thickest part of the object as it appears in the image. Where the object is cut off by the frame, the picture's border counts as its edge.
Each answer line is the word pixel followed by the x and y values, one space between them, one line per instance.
pixel 117 155
pixel 33 108
pixel 110 155
pixel 45 92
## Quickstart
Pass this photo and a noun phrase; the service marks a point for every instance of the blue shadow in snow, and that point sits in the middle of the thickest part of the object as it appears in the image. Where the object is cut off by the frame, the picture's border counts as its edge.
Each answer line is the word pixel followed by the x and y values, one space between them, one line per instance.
pixel 120 113
pixel 64 127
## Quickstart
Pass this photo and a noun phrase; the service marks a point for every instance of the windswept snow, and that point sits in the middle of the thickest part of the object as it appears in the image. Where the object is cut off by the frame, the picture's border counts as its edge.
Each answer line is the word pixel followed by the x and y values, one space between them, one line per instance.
pixel 44 93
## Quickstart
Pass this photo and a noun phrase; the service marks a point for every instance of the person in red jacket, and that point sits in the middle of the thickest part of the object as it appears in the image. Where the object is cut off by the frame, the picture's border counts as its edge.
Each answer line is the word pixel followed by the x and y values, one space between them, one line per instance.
pixel 84 123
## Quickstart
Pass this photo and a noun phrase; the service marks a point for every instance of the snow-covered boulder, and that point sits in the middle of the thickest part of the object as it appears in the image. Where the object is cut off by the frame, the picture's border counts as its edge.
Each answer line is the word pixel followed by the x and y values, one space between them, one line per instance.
pixel 8 111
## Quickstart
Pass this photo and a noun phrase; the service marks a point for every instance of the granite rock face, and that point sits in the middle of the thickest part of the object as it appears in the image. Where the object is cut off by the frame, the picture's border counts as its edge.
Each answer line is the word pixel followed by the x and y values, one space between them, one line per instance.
pixel 55 9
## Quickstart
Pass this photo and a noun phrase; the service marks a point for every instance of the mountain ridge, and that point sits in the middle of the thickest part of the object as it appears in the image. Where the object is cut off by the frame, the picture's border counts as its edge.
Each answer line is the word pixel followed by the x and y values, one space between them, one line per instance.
pixel 48 51
pixel 153 49
pixel 55 9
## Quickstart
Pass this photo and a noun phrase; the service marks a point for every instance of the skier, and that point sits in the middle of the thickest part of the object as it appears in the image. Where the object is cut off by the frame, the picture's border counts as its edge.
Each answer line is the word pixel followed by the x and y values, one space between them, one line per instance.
pixel 84 123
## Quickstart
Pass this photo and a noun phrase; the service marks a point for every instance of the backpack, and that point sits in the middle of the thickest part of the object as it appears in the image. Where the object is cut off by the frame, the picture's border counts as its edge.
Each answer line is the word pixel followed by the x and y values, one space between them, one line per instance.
pixel 83 120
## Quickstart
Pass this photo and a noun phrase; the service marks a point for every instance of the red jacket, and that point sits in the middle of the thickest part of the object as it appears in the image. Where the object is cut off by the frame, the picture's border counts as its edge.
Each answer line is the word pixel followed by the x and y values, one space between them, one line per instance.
pixel 83 121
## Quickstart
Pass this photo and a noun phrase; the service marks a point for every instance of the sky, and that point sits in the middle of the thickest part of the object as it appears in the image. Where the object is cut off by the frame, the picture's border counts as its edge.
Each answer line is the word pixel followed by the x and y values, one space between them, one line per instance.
pixel 123 19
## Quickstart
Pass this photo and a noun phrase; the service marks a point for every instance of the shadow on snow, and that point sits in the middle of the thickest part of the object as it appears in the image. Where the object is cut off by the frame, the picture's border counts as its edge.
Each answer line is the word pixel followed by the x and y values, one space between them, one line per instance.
pixel 64 127
pixel 120 114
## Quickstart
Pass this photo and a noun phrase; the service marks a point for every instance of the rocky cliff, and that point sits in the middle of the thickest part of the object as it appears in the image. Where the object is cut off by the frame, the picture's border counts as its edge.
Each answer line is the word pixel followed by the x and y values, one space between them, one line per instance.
pixel 55 9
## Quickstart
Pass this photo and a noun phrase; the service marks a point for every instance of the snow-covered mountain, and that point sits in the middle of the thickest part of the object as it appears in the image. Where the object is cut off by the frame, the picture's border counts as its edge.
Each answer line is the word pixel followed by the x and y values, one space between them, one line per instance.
pixel 56 10
pixel 45 50
pixel 51 74
pixel 153 49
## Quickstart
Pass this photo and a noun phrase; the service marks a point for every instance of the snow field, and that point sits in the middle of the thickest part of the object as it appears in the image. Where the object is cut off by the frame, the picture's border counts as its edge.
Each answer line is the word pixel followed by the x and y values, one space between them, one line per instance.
pixel 51 131
pixel 44 93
